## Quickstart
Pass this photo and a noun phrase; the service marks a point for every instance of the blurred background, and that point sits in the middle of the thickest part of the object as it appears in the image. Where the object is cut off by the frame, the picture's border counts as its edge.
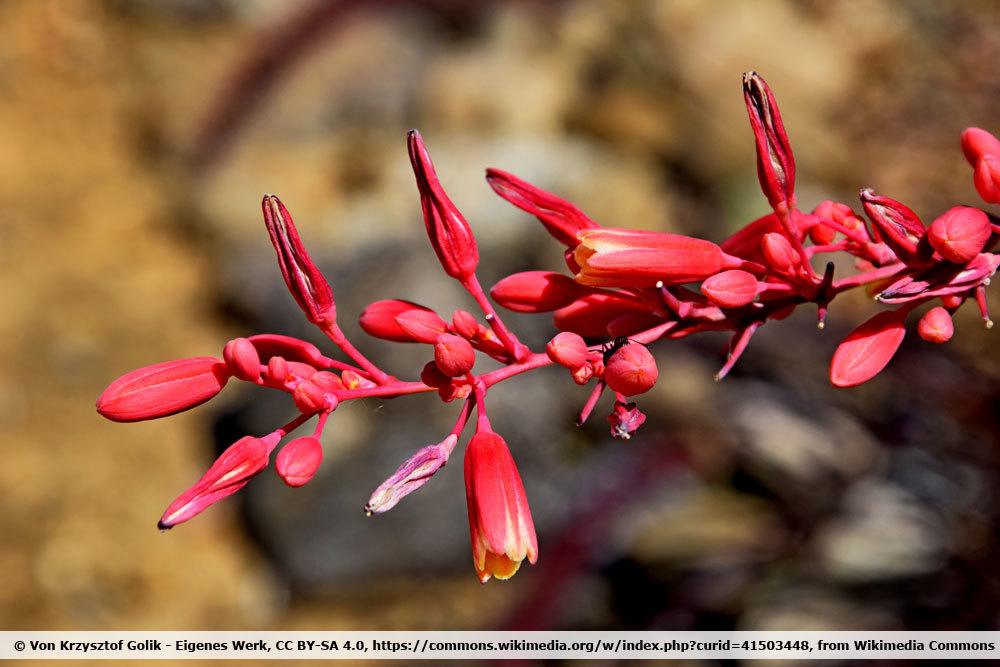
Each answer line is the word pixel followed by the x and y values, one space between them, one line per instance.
pixel 136 139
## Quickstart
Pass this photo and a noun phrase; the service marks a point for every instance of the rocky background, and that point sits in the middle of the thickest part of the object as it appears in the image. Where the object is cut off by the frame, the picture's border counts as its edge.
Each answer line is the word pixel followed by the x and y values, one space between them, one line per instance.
pixel 136 138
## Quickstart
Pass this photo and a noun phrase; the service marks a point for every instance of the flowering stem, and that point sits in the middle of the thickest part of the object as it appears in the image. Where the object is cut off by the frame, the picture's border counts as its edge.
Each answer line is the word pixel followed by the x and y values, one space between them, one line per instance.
pixel 482 421
pixel 514 347
pixel 328 362
pixel 868 277
pixel 294 424
pixel 591 403
pixel 334 333
pixel 393 388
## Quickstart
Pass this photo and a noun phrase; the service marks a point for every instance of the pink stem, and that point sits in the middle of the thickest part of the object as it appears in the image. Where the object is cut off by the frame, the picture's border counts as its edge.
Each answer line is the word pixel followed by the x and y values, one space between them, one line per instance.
pixel 334 333
pixel 514 347
pixel 742 339
pixel 591 403
pixel 867 277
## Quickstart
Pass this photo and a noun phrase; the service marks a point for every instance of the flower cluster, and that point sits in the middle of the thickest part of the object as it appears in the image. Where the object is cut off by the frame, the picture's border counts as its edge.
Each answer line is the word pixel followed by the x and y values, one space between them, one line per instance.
pixel 625 289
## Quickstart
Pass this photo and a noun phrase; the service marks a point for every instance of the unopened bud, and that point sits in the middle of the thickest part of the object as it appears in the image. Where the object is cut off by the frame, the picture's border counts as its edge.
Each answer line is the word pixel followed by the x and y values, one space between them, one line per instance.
pixel 465 324
pixel 986 178
pixel 277 369
pixel 454 355
pixel 631 370
pixel 327 381
pixel 778 252
pixel 309 397
pixel 163 389
pixel 379 319
pixel 936 326
pixel 730 289
pixel 242 358
pixel 421 326
pixel 352 380
pixel 960 233
pixel 536 291
pixel 298 461
pixel 775 162
pixel 568 349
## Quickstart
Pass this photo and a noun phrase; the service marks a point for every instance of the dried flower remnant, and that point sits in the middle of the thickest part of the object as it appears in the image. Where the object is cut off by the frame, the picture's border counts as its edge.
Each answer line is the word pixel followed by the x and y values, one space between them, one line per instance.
pixel 620 291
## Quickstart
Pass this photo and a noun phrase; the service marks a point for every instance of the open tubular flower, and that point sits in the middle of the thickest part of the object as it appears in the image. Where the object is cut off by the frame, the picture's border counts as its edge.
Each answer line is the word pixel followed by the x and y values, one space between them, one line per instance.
pixel 500 524
pixel 634 258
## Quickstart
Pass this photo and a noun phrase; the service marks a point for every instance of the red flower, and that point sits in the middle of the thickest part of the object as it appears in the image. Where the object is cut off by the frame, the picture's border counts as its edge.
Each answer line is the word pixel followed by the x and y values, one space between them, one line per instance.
pixel 500 524
pixel 634 258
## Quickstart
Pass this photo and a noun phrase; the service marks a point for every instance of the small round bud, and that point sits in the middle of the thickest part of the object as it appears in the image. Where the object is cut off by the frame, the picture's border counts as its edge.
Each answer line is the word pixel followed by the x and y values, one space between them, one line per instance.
pixel 960 233
pixel 567 349
pixel 730 289
pixel 352 380
pixel 242 358
pixel 432 376
pixel 453 355
pixel 631 370
pixel 936 326
pixel 952 301
pixel 327 381
pixel 298 461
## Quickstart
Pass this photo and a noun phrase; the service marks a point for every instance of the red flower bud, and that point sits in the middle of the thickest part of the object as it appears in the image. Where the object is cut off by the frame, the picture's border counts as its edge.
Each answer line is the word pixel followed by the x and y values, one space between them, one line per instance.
pixel 631 370
pixel 778 253
pixel 895 224
pixel 536 291
pixel 305 281
pixel 977 143
pixel 960 233
pixel 447 228
pixel 432 376
pixel 242 358
pixel 866 350
pixel 277 369
pixel 730 289
pixel 310 398
pixel 634 258
pixel 163 389
pixel 775 162
pixel 231 471
pixel 952 301
pixel 936 326
pixel 465 324
pixel 379 319
pixel 453 355
pixel 568 349
pixel 500 525
pixel 421 326
pixel 986 178
pixel 562 220
pixel 299 460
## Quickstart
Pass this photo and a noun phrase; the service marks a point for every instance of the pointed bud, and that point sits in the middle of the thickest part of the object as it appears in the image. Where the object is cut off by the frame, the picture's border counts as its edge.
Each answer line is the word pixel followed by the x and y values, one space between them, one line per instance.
pixel 298 461
pixel 977 143
pixel 421 326
pixel 231 471
pixel 562 220
pixel 986 178
pixel 379 319
pixel 310 398
pixel 453 355
pixel 568 349
pixel 635 258
pixel 465 324
pixel 960 233
pixel 242 358
pixel 730 289
pixel 414 473
pixel 163 389
pixel 631 370
pixel 895 224
pixel 536 291
pixel 625 419
pixel 775 162
pixel 778 253
pixel 868 349
pixel 936 326
pixel 450 234
pixel 500 526
pixel 305 281
pixel 294 349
